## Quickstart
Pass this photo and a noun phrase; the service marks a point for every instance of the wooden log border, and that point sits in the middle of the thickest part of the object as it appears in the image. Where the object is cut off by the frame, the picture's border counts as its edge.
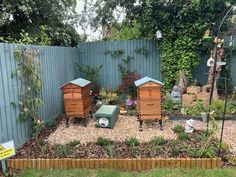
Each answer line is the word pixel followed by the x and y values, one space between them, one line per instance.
pixel 122 164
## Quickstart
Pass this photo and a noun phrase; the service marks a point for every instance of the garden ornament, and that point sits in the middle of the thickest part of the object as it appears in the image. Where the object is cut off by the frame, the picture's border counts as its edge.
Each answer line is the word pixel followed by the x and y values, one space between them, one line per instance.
pixel 98 104
pixel 189 126
pixel 158 34
pixel 210 62
pixel 176 94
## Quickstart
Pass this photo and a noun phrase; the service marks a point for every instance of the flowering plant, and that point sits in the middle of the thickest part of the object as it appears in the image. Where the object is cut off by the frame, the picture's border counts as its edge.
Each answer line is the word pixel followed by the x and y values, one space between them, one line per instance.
pixel 130 103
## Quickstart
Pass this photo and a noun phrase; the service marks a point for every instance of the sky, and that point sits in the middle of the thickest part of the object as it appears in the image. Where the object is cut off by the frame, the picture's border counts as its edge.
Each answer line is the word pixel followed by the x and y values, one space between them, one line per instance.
pixel 91 35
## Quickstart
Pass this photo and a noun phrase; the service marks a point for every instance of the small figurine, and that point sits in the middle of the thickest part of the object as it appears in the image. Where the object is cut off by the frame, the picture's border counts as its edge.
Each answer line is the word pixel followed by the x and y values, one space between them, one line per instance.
pixel 176 94
pixel 189 126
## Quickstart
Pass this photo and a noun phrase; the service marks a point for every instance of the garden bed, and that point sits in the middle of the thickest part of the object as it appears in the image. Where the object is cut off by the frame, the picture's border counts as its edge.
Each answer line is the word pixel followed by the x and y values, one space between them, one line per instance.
pixel 81 142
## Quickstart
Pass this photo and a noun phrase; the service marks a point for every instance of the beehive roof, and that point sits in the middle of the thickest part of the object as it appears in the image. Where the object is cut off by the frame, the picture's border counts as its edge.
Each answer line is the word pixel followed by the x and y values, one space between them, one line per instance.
pixel 146 80
pixel 79 82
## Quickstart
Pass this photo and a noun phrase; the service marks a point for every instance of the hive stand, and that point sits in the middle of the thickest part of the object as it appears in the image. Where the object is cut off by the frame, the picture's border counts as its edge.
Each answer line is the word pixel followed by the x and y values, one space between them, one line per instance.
pixel 77 99
pixel 149 100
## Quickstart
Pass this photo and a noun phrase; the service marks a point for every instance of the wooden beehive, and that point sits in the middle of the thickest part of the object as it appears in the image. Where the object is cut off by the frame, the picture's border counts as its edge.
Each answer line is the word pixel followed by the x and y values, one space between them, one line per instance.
pixel 77 99
pixel 149 99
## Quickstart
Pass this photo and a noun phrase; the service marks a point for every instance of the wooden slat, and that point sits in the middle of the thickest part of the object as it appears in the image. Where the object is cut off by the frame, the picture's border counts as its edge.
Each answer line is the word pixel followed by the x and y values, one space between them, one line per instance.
pixel 204 163
pixel 147 116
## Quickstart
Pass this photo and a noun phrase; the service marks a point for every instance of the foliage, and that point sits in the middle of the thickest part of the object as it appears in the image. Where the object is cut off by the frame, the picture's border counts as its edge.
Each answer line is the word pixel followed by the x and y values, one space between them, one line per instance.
pixel 91 73
pixel 124 67
pixel 73 143
pixel 30 15
pixel 217 107
pixel 132 141
pixel 27 72
pixel 121 31
pixel 110 151
pixel 115 53
pixel 183 136
pixel 174 148
pixel 159 140
pixel 182 24
pixel 143 50
pixel 180 55
pixel 178 129
pixel 169 105
pixel 103 141
pixel 127 84
pixel 62 150
pixel 108 97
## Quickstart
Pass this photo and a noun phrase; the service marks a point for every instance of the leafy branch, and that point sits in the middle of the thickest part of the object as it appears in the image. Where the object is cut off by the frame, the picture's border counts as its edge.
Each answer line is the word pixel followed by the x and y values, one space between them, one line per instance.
pixel 27 72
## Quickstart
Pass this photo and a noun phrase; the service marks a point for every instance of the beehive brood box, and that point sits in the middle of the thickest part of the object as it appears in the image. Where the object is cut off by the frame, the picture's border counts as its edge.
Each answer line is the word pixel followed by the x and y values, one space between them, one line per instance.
pixel 149 99
pixel 77 99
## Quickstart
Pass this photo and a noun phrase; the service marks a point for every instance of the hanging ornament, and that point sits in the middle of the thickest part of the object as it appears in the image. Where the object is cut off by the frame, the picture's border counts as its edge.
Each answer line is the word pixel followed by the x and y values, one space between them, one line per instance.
pixel 207 36
pixel 158 34
pixel 210 62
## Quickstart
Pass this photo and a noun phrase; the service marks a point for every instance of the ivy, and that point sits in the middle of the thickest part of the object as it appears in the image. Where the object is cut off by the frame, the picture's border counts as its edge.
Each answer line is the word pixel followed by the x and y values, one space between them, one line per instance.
pixel 183 57
pixel 27 72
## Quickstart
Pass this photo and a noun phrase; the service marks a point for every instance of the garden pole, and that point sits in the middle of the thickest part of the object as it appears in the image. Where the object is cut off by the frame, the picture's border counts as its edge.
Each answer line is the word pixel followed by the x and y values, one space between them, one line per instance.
pixel 215 63
pixel 223 118
pixel 4 166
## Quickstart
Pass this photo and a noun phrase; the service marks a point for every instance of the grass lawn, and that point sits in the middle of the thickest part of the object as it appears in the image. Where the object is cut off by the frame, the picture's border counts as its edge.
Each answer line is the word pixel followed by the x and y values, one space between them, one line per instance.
pixel 226 172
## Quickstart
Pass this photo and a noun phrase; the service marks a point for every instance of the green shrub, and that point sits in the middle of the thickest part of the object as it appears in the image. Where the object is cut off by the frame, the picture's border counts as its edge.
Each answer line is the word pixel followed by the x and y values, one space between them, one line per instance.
pixel 132 142
pixel 183 136
pixel 73 143
pixel 62 150
pixel 103 141
pixel 159 140
pixel 194 153
pixel 178 129
pixel 174 145
pixel 202 137
pixel 110 151
pixel 210 152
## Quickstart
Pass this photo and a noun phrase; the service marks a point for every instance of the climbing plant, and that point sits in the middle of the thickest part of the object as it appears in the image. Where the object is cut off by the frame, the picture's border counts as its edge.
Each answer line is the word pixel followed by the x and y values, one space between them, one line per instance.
pixel 91 73
pixel 115 53
pixel 27 72
pixel 143 51
pixel 124 67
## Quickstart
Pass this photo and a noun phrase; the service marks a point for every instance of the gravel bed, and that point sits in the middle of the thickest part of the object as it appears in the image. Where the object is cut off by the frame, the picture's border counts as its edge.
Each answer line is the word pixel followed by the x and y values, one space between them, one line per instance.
pixel 127 126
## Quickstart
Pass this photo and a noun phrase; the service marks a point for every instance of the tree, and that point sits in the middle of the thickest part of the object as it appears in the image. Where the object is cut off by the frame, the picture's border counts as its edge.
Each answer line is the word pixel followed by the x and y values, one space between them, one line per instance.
pixel 182 24
pixel 29 15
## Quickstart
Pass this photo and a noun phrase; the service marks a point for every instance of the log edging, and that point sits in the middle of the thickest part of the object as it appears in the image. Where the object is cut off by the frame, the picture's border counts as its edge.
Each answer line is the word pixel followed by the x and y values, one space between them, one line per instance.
pixel 123 164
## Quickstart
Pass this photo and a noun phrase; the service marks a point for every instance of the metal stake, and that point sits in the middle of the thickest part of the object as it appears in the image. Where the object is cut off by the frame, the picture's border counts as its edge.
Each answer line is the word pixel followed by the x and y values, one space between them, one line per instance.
pixel 223 118
pixel 4 166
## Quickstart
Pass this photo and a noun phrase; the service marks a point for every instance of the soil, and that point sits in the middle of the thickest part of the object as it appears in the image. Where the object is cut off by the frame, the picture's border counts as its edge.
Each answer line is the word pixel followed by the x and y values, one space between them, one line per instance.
pixel 53 141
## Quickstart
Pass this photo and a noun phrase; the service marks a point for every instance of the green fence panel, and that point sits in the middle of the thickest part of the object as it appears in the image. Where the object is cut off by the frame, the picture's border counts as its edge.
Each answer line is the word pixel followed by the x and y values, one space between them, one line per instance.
pixel 96 54
pixel 57 68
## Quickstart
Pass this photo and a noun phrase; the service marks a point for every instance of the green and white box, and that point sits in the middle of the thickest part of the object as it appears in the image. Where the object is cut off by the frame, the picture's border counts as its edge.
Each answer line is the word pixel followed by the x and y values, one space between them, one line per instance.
pixel 106 116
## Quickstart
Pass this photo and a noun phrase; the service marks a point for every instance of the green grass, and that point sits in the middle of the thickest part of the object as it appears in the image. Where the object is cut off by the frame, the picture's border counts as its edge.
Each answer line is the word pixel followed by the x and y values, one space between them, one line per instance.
pixel 226 172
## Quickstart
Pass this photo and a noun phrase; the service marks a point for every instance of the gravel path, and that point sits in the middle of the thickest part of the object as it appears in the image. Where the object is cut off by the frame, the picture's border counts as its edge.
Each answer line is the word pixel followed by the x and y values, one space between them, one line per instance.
pixel 127 126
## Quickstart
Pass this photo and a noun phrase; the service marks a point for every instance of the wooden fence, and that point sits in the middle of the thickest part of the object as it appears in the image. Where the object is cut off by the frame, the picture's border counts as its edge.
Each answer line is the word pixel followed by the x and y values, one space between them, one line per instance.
pixel 123 164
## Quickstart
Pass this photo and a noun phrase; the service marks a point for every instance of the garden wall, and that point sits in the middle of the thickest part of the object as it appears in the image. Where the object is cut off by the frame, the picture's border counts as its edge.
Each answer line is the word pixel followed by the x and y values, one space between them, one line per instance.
pixel 56 63
pixel 145 52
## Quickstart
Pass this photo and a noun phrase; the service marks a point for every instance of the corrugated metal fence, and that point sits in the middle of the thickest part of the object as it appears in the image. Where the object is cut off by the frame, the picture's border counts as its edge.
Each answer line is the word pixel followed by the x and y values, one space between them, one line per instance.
pixel 57 64
pixel 99 53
